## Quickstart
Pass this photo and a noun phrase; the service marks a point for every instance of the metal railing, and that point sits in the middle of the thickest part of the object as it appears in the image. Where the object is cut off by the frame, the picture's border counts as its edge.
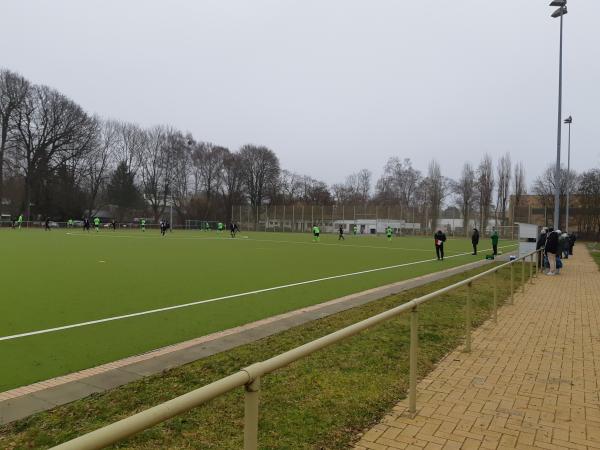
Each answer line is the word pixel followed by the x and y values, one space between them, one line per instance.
pixel 250 377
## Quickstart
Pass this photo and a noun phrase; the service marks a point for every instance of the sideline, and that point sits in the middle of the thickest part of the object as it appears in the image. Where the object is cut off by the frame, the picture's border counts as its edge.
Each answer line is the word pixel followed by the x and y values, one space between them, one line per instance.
pixel 225 297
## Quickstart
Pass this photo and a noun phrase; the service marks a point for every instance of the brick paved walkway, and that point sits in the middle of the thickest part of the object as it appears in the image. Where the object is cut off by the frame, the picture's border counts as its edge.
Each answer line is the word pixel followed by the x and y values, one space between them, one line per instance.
pixel 532 380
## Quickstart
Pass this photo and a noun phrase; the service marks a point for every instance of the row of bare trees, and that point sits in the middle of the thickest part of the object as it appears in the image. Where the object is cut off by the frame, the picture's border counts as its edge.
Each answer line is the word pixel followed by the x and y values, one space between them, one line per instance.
pixel 56 160
pixel 479 193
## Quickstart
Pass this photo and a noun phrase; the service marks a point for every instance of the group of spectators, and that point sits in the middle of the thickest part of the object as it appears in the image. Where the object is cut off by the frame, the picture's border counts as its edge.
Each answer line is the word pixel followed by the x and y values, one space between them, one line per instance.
pixel 556 246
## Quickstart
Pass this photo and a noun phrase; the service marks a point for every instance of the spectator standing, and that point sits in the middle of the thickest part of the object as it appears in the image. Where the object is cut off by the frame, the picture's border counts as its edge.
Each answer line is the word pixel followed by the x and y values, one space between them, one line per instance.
pixel 565 241
pixel 560 246
pixel 572 239
pixel 551 249
pixel 540 245
pixel 495 239
pixel 475 240
pixel 440 238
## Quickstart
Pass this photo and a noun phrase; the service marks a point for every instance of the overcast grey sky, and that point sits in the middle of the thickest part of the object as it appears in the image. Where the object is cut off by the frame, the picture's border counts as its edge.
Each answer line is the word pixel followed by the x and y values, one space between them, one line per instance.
pixel 332 86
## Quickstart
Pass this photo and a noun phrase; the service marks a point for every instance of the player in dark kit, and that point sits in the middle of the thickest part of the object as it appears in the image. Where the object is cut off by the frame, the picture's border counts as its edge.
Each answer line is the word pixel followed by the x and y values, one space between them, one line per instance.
pixel 341 234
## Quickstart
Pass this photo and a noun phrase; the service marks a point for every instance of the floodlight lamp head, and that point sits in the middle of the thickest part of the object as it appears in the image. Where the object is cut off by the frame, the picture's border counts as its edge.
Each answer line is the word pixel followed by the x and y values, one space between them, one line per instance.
pixel 569 120
pixel 558 3
pixel 559 12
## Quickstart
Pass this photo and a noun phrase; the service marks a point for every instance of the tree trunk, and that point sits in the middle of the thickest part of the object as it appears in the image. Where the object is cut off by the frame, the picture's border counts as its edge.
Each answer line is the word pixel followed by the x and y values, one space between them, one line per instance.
pixel 2 148
pixel 1 174
pixel 26 206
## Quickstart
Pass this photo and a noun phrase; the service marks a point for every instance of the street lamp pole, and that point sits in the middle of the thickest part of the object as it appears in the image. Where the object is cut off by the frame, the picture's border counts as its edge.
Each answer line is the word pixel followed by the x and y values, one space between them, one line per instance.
pixel 560 12
pixel 568 121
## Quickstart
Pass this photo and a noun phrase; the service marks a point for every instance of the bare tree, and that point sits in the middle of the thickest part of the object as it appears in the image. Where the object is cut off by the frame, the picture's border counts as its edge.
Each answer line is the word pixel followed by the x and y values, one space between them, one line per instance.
pixel 260 168
pixel 208 160
pixel 520 187
pixel 13 91
pixel 589 195
pixel 97 161
pixel 232 185
pixel 355 190
pixel 435 186
pixel 181 162
pixel 464 189
pixel 504 174
pixel 399 182
pixel 290 187
pixel 131 145
pixel 363 187
pixel 485 190
pixel 50 131
pixel 340 193
pixel 156 164
pixel 545 186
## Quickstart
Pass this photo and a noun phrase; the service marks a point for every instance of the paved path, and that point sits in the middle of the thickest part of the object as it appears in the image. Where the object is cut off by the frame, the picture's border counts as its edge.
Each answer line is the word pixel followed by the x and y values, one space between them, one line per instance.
pixel 24 401
pixel 532 380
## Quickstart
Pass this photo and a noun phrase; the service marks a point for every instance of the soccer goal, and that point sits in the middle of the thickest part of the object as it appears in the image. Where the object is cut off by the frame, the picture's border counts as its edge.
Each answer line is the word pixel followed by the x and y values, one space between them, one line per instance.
pixel 201 224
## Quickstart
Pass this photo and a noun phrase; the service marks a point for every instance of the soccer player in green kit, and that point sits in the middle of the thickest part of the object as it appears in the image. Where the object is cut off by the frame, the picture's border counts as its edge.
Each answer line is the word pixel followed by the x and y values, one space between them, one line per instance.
pixel 143 225
pixel 219 227
pixel 355 230
pixel 207 226
pixel 495 239
pixel 316 232
pixel 388 232
pixel 97 224
pixel 20 221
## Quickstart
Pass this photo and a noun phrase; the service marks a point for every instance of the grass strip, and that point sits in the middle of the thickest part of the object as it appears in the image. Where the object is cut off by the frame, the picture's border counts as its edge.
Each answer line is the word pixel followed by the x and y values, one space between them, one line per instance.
pixel 323 401
pixel 594 248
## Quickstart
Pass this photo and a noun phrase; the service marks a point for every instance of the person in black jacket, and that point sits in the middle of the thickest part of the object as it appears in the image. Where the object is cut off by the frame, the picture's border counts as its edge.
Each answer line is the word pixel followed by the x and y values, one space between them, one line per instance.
pixel 572 239
pixel 551 249
pixel 475 240
pixel 440 238
pixel 540 245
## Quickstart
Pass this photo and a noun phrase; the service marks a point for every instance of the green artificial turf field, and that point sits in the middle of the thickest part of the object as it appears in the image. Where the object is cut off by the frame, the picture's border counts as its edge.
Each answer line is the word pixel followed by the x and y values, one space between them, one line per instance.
pixel 58 278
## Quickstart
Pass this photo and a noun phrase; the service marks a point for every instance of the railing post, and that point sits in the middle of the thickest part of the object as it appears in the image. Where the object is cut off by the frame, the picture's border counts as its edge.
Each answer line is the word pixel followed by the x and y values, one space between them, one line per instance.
pixel 251 415
pixel 468 319
pixel 414 348
pixel 512 283
pixel 523 275
pixel 496 296
pixel 531 270
pixel 537 263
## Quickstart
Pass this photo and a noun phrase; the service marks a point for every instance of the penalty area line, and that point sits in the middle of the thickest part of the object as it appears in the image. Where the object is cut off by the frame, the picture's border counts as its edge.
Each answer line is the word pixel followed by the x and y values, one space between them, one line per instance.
pixel 224 297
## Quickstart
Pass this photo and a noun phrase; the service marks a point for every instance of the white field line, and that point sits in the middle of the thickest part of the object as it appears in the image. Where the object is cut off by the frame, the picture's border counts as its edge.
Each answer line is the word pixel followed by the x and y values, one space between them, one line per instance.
pixel 246 239
pixel 216 299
